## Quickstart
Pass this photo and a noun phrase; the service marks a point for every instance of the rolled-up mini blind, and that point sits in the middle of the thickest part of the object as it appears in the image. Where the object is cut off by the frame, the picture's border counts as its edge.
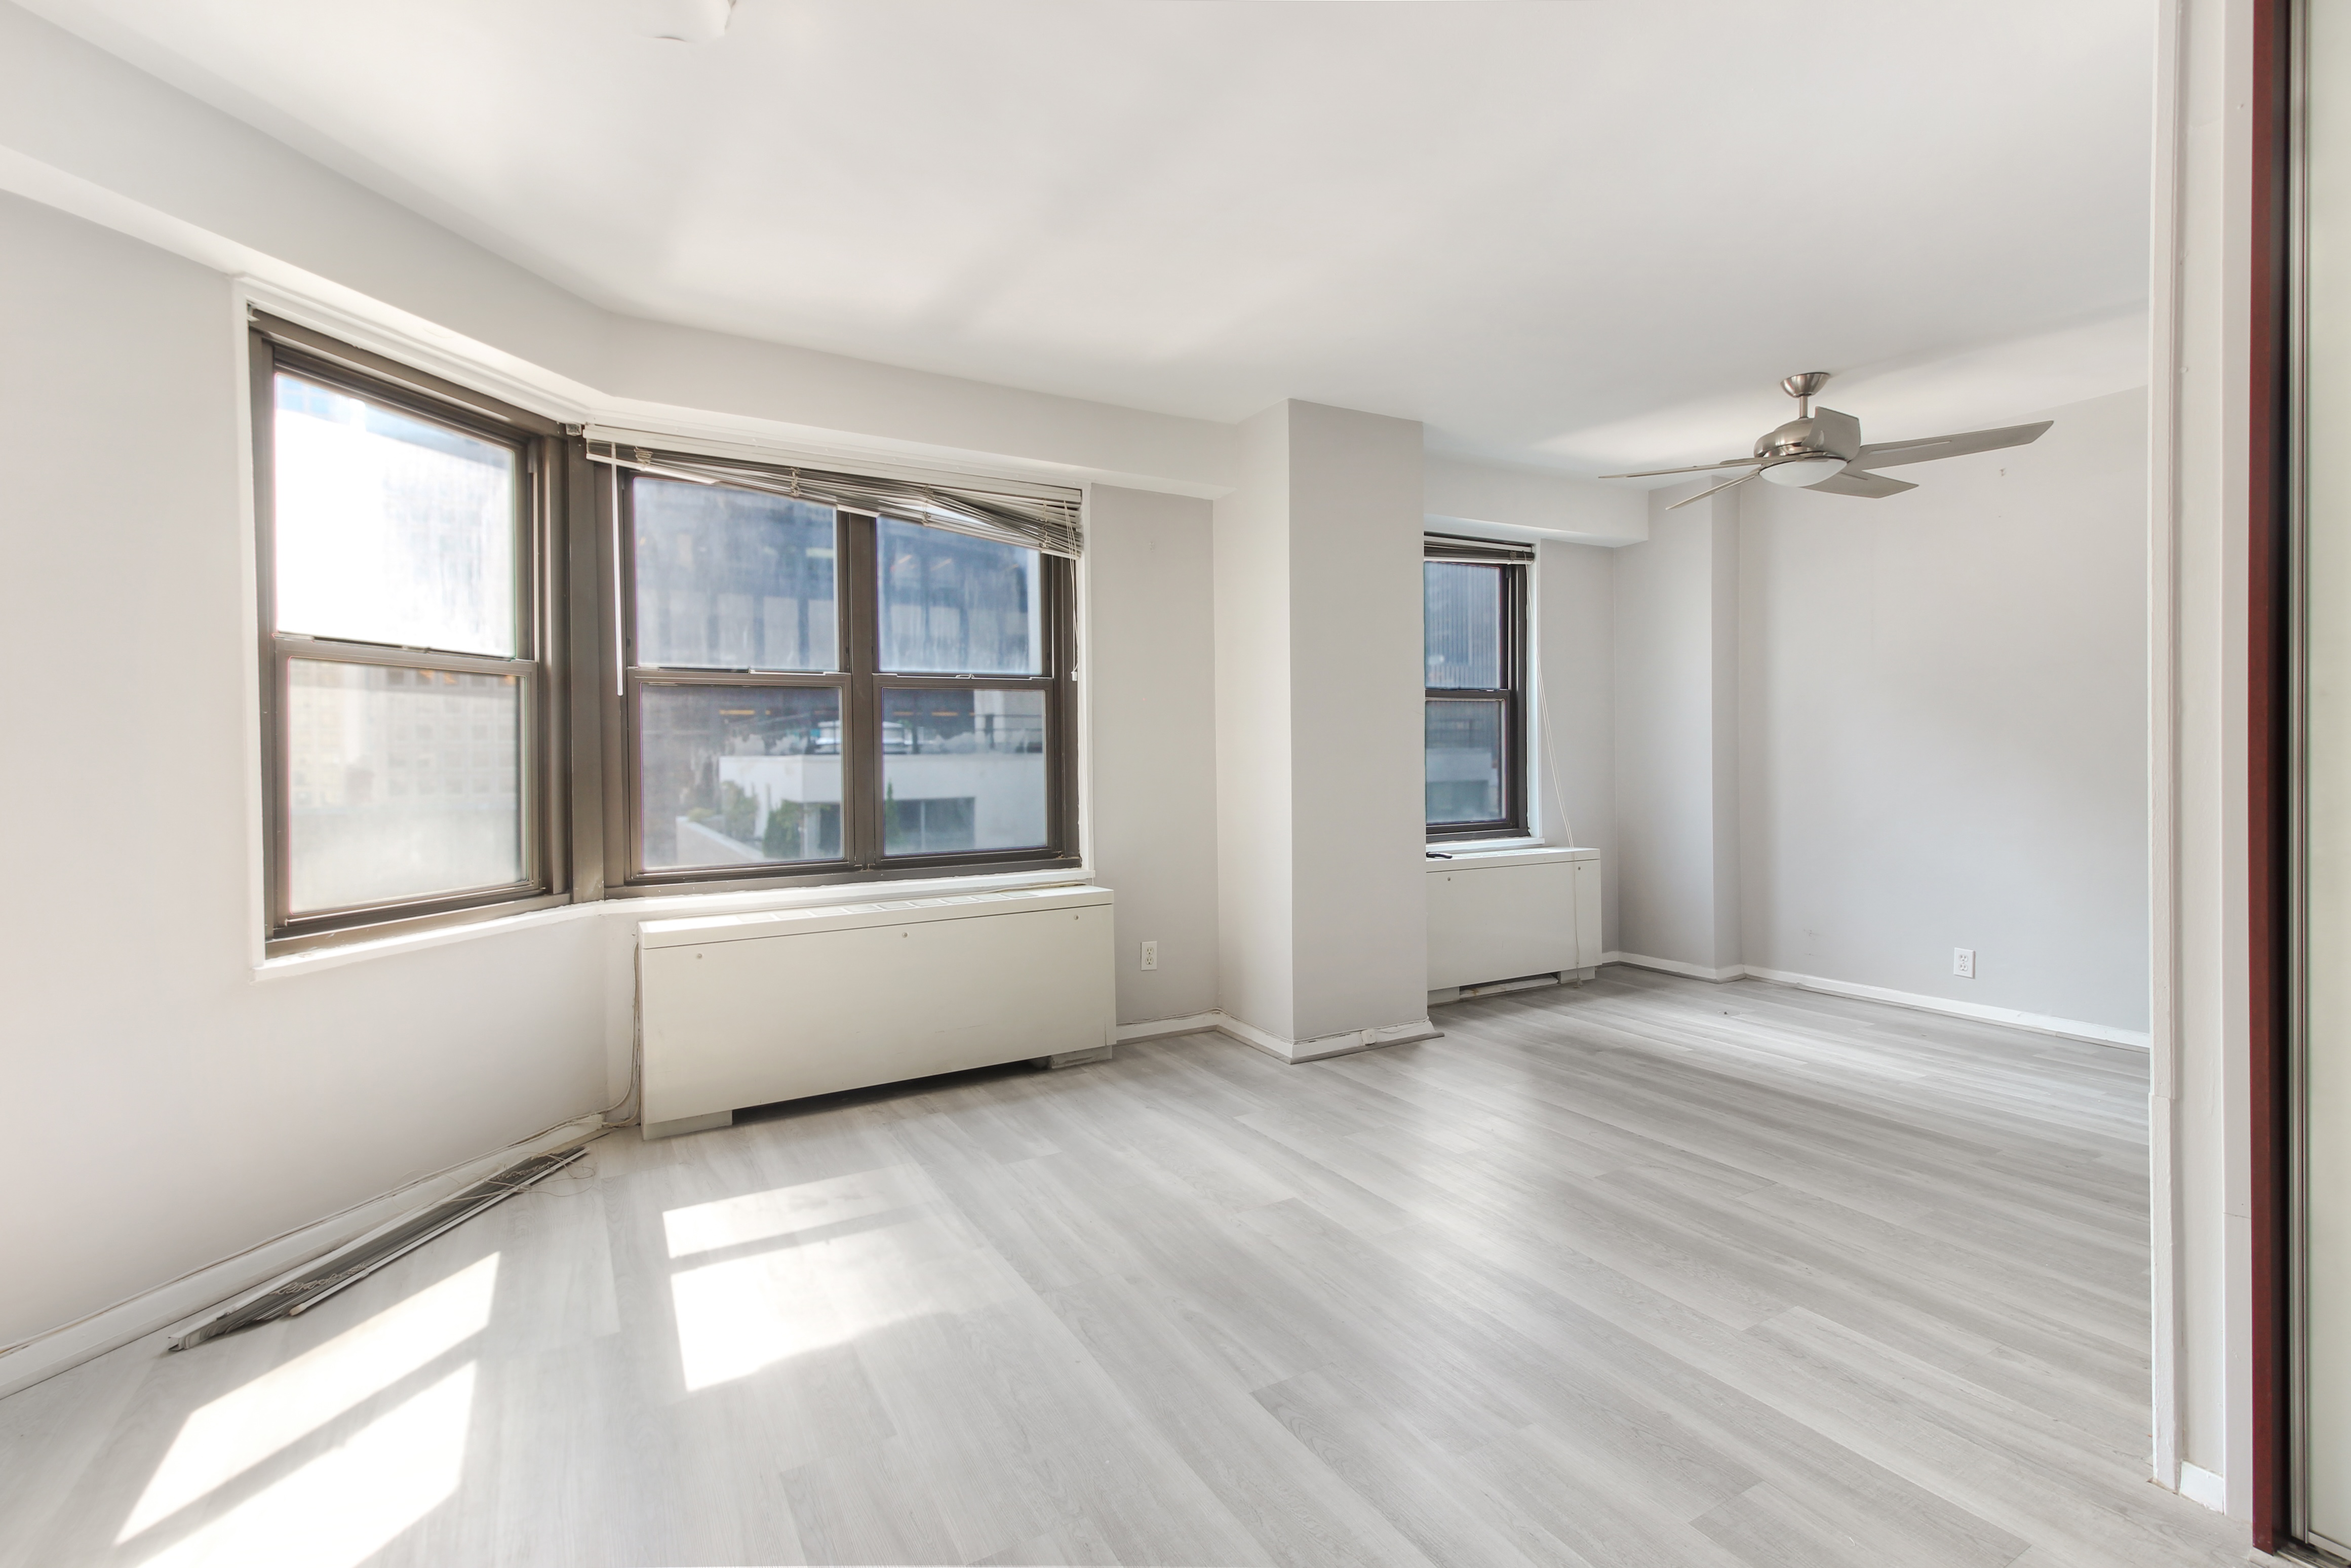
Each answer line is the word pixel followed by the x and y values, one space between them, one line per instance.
pixel 1460 547
pixel 1035 515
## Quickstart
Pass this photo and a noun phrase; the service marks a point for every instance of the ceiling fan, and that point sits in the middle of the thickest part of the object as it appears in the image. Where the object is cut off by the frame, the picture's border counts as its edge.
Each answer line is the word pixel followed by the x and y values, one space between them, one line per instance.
pixel 1824 451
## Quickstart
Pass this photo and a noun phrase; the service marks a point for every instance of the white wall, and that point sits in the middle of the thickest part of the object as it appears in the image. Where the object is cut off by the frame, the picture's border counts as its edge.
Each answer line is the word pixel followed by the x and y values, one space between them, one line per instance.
pixel 1149 680
pixel 1322 912
pixel 1676 771
pixel 1254 824
pixel 1943 720
pixel 167 1108
pixel 1357 730
pixel 1475 497
pixel 1574 717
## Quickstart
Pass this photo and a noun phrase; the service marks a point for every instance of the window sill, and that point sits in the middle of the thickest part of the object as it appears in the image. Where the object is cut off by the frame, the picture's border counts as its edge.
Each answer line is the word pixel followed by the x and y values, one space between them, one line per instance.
pixel 661 906
pixel 1481 846
pixel 1508 851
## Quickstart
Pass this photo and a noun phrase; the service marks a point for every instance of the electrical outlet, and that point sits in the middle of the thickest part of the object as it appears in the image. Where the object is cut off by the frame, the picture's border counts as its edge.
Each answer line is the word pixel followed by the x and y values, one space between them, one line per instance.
pixel 1963 962
pixel 1151 955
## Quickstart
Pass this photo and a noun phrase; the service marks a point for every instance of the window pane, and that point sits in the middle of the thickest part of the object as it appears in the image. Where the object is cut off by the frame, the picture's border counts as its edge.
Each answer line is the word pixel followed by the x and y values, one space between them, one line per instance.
pixel 390 528
pixel 1461 625
pixel 1465 760
pixel 399 784
pixel 952 604
pixel 962 770
pixel 740 775
pixel 732 579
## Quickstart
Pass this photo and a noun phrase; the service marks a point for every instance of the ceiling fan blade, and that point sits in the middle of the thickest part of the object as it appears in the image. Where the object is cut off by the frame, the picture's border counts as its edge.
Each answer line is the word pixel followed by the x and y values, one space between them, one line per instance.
pixel 1854 482
pixel 1693 468
pixel 1885 453
pixel 1719 490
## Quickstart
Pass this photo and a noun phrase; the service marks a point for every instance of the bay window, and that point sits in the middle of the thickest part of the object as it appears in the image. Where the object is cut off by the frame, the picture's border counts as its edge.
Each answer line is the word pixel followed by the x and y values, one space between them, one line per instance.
pixel 508 663
pixel 832 676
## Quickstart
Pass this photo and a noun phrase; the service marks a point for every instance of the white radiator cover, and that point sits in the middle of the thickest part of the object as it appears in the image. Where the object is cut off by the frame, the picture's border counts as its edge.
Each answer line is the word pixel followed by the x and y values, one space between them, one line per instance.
pixel 1503 915
pixel 744 1009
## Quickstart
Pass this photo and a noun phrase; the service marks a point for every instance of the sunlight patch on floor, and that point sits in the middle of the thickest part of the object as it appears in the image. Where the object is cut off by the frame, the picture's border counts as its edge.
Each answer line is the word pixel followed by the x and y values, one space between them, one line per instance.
pixel 739 1315
pixel 343 1507
pixel 243 1428
pixel 792 1210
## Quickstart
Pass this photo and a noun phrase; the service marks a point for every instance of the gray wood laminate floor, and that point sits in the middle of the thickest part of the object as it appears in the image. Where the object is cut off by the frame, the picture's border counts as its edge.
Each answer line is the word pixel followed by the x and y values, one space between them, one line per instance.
pixel 1648 1272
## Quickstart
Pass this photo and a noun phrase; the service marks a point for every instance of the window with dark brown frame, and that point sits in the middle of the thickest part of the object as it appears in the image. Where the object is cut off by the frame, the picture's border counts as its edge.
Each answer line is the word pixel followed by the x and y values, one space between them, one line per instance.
pixel 1473 638
pixel 504 665
pixel 408 709
pixel 813 692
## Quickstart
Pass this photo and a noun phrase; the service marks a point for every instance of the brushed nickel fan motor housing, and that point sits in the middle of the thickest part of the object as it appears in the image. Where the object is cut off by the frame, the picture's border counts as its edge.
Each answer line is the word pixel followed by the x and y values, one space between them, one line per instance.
pixel 1827 434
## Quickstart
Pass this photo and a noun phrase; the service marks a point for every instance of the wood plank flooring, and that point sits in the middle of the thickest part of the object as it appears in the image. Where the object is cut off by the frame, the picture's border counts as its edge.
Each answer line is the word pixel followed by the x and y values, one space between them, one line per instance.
pixel 1650 1272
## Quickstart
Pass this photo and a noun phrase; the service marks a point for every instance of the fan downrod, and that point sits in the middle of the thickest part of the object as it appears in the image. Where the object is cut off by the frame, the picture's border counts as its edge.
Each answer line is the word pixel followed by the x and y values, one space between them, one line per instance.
pixel 1805 386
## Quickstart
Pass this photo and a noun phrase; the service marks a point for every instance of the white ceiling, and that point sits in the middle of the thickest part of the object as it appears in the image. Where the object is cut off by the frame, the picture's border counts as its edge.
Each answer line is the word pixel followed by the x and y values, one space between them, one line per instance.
pixel 1575 234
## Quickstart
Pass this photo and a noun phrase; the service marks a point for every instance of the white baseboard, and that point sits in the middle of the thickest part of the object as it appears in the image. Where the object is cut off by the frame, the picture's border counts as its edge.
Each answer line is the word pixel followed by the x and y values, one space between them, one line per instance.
pixel 2039 1023
pixel 2198 1484
pixel 1340 1044
pixel 1675 967
pixel 1448 995
pixel 195 1295
pixel 1160 1028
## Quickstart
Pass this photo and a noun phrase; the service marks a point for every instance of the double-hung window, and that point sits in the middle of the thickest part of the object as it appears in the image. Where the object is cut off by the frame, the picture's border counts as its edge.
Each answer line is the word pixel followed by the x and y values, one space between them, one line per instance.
pixel 1473 637
pixel 832 676
pixel 403 526
pixel 736 684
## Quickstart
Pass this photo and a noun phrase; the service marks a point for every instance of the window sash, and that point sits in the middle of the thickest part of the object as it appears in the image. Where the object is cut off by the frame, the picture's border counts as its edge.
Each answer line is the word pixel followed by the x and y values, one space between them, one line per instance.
pixel 278 346
pixel 644 680
pixel 528 810
pixel 1512 820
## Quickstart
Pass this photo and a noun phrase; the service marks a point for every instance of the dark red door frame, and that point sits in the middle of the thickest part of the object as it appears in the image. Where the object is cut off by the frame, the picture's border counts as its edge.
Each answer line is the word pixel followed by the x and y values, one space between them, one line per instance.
pixel 2268 731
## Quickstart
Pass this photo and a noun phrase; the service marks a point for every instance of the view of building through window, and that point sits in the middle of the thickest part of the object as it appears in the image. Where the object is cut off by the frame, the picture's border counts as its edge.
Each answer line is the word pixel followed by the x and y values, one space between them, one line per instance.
pixel 757 773
pixel 1464 761
pixel 952 604
pixel 391 530
pixel 962 770
pixel 733 579
pixel 401 782
pixel 1463 631
pixel 740 775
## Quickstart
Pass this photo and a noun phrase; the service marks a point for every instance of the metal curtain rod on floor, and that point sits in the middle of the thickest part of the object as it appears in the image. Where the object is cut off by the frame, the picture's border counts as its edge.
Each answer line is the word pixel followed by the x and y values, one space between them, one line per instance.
pixel 305 1290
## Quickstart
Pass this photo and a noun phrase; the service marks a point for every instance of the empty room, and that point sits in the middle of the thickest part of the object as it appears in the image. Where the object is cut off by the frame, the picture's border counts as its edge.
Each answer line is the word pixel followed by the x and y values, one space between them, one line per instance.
pixel 1391 783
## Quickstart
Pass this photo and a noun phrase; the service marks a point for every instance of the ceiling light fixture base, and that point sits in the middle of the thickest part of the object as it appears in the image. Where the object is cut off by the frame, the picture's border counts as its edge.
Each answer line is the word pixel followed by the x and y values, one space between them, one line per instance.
pixel 683 21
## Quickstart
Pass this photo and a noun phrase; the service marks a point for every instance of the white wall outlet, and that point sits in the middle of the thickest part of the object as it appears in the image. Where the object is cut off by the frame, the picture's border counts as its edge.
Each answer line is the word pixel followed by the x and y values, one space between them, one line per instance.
pixel 1151 955
pixel 1963 962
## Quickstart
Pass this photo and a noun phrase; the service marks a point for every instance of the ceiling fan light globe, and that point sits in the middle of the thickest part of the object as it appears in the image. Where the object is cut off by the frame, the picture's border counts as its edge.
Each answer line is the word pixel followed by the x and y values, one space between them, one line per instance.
pixel 1798 472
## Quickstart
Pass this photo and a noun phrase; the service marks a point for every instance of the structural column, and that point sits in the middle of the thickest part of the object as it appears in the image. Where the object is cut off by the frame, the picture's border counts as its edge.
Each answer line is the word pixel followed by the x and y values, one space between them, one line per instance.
pixel 1321 896
pixel 1677 703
